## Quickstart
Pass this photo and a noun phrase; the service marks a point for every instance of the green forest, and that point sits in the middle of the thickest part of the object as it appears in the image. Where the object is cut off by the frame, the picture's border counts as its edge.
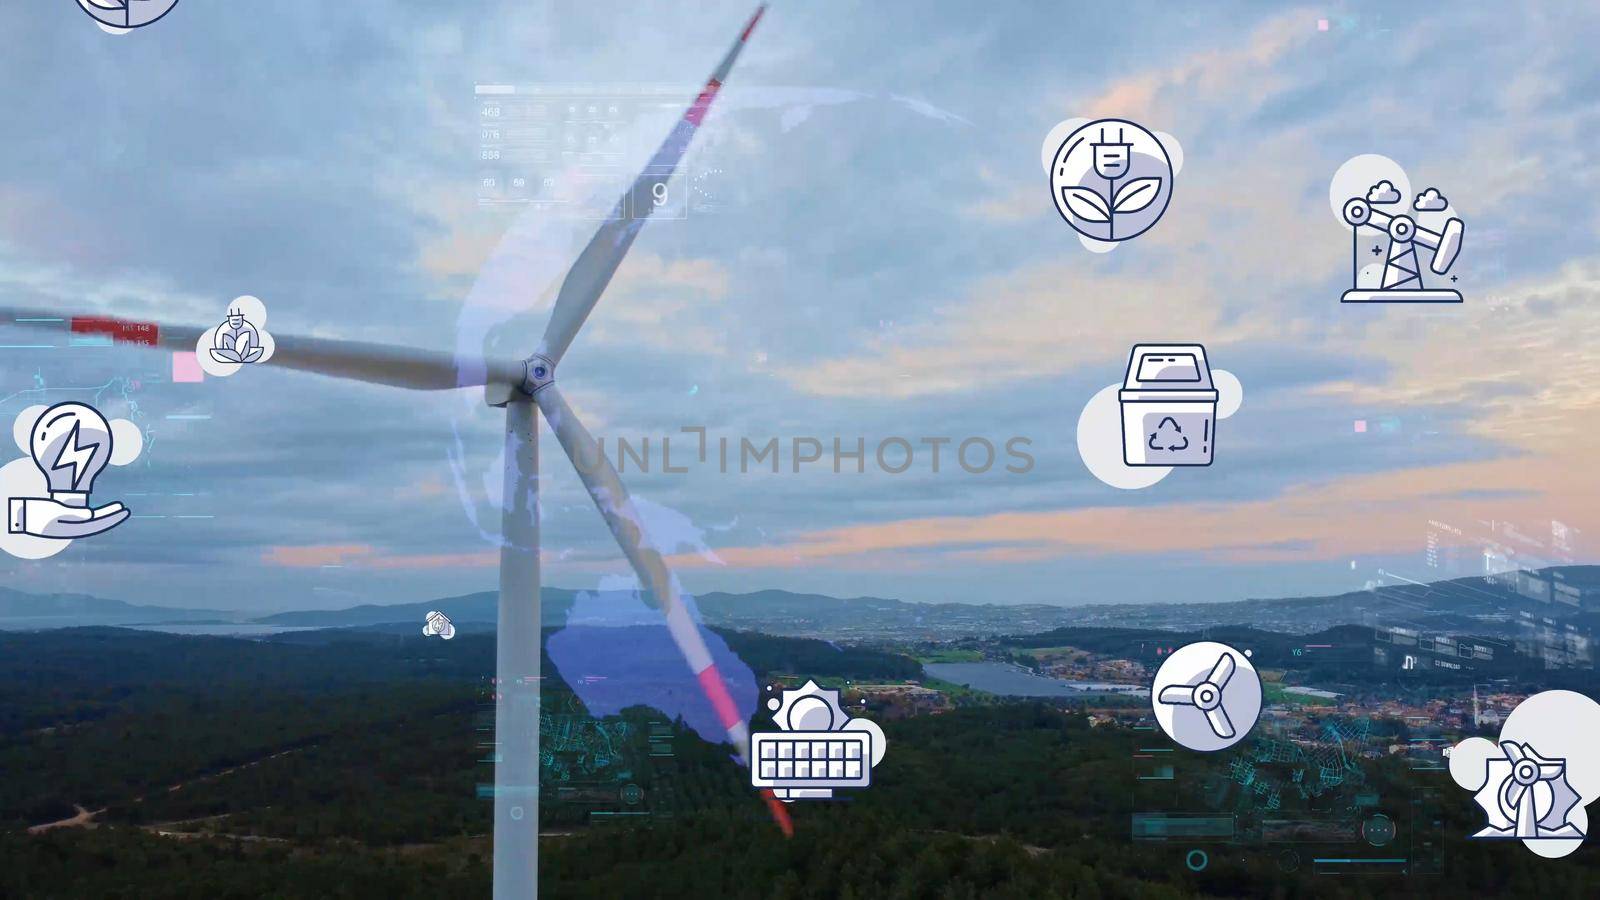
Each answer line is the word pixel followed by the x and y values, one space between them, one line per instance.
pixel 349 765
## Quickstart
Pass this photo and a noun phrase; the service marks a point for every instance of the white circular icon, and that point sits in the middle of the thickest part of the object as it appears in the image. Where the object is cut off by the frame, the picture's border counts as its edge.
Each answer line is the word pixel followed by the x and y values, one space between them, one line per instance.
pixel 125 14
pixel 1206 696
pixel 1111 180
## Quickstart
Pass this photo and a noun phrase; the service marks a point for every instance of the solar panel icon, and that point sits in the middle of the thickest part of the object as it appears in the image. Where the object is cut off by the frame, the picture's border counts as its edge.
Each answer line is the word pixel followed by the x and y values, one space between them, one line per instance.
pixel 811 759
pixel 820 746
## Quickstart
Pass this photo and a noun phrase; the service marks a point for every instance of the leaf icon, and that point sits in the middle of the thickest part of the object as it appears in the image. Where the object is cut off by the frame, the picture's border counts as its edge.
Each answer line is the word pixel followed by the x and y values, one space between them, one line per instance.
pixel 1086 204
pixel 1136 195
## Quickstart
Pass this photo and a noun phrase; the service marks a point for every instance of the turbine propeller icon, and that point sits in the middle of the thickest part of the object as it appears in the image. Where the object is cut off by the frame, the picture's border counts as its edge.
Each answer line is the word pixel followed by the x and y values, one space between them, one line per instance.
pixel 1207 696
pixel 1528 769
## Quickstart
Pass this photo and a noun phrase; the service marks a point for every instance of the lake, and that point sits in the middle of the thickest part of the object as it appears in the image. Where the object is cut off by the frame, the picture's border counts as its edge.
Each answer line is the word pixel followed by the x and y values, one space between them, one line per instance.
pixel 1008 680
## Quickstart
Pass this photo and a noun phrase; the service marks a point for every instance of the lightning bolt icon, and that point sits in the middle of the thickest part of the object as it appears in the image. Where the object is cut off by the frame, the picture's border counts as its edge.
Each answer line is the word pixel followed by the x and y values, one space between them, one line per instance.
pixel 75 455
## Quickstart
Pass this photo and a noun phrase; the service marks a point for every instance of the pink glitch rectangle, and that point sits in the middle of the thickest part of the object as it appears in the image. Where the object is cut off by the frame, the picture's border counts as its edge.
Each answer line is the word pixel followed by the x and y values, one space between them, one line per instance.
pixel 186 369
pixel 1322 24
pixel 1361 426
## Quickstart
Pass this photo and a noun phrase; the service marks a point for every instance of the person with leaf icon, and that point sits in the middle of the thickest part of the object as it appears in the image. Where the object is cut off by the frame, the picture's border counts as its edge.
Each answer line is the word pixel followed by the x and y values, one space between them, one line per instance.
pixel 237 340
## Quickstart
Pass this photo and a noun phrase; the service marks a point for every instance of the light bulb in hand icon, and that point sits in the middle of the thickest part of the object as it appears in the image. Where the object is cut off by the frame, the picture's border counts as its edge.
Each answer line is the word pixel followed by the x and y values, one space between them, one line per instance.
pixel 70 443
pixel 45 492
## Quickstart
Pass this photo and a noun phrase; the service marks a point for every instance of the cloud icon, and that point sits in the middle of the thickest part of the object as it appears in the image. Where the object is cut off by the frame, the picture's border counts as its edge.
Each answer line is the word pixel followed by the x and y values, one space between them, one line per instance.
pixel 1383 192
pixel 1431 200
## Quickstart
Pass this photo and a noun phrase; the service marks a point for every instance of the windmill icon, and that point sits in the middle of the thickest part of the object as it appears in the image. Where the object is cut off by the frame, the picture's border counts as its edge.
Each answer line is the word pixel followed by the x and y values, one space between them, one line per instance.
pixel 1527 796
pixel 520 387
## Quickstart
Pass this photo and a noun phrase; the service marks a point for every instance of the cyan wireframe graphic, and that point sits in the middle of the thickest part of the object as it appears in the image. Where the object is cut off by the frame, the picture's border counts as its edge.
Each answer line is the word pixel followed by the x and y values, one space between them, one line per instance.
pixel 1306 770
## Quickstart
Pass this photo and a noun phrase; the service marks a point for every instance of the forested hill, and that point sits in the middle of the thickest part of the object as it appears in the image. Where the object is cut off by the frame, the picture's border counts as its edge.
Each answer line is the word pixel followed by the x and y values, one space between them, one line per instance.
pixel 338 764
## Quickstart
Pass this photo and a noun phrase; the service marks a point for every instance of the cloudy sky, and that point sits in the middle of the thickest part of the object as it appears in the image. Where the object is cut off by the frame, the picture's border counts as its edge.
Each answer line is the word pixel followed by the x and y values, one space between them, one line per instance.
pixel 886 262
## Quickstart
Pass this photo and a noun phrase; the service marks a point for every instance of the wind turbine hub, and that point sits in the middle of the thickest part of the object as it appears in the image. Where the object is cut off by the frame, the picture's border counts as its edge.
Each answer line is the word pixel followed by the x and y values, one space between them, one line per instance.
pixel 1525 772
pixel 1206 696
pixel 538 372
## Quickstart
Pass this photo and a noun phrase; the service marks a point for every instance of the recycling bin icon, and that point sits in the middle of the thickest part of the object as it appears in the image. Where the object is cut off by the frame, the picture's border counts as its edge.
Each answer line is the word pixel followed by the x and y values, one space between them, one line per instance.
pixel 1169 406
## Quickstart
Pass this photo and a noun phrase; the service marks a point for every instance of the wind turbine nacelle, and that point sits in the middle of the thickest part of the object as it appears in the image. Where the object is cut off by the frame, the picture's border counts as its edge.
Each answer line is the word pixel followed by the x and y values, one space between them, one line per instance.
pixel 537 372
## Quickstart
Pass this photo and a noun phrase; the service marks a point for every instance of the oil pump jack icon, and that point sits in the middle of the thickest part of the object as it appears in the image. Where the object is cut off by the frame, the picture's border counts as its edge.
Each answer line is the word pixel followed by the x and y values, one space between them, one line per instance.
pixel 1402 279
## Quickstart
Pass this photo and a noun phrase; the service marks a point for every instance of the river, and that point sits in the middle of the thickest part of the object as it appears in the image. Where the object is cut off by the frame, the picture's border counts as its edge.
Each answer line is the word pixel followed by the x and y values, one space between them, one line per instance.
pixel 1008 680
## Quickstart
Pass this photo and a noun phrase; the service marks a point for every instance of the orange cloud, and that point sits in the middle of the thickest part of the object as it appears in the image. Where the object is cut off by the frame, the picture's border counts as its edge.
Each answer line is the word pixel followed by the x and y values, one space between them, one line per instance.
pixel 1243 75
pixel 1379 514
pixel 368 557
pixel 314 555
pixel 473 560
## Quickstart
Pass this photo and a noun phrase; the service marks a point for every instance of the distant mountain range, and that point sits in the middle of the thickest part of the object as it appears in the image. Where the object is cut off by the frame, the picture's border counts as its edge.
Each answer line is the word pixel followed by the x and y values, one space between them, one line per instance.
pixel 20 610
pixel 479 607
pixel 1489 606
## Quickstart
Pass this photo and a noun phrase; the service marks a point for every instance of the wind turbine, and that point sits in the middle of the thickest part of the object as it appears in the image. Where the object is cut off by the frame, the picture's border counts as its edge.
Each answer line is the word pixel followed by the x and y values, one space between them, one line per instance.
pixel 519 386
pixel 1528 769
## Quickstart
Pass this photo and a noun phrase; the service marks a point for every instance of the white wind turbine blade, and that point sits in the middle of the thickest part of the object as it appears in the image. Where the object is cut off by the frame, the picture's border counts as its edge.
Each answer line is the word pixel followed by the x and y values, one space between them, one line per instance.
pixel 1514 791
pixel 1548 767
pixel 1220 724
pixel 1178 694
pixel 588 277
pixel 403 367
pixel 1222 671
pixel 628 527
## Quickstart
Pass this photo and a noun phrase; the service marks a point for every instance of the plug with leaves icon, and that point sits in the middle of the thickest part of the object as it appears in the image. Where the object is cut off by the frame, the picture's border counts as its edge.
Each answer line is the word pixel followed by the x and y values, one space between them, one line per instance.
pixel 1111 161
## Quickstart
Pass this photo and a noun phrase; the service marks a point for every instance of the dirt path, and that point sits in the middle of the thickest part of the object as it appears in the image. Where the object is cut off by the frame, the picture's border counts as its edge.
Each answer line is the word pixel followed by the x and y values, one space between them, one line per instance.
pixel 215 775
pixel 84 819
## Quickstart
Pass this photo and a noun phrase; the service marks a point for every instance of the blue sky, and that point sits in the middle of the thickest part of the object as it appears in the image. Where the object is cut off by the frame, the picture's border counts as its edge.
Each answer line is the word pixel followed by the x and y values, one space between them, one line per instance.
pixel 888 264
